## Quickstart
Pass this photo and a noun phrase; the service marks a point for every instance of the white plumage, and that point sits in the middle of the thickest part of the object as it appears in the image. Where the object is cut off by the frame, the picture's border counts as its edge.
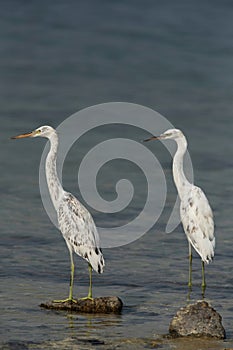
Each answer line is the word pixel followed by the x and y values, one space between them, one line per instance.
pixel 79 231
pixel 197 219
pixel 75 222
pixel 195 212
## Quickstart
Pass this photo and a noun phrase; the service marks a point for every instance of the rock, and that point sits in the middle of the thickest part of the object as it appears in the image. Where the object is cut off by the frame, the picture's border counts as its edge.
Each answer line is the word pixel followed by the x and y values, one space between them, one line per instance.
pixel 103 305
pixel 199 320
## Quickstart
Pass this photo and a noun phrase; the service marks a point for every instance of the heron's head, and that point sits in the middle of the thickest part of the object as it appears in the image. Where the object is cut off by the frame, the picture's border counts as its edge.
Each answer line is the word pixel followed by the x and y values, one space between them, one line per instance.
pixel 42 131
pixel 169 134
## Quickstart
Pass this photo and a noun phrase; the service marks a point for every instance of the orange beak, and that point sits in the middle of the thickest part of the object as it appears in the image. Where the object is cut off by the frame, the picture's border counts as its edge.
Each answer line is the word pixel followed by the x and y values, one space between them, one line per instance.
pixel 22 136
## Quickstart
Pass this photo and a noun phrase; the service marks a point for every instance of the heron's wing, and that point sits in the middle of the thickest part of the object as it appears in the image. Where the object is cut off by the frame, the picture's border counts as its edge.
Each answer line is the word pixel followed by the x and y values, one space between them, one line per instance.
pixel 197 219
pixel 79 230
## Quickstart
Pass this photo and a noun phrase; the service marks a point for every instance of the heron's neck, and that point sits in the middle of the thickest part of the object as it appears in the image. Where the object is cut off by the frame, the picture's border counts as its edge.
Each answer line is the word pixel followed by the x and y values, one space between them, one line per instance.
pixel 178 166
pixel 54 185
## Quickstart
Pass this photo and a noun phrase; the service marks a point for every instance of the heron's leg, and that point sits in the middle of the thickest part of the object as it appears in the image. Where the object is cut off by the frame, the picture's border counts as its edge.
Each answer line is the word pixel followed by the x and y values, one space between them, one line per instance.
pixel 89 296
pixel 71 276
pixel 190 266
pixel 90 281
pixel 203 284
pixel 70 298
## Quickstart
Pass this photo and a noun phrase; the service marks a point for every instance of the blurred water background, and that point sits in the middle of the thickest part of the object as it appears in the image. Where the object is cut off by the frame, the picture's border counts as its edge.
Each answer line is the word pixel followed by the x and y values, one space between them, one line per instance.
pixel 61 56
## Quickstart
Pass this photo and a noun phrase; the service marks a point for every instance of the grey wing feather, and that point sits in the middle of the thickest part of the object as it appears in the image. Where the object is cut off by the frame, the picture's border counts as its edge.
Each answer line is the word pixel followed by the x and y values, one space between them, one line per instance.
pixel 198 223
pixel 79 231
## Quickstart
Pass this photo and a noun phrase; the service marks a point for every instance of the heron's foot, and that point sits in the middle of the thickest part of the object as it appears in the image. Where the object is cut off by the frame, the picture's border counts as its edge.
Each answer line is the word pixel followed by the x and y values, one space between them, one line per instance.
pixel 189 292
pixel 68 300
pixel 89 297
pixel 203 288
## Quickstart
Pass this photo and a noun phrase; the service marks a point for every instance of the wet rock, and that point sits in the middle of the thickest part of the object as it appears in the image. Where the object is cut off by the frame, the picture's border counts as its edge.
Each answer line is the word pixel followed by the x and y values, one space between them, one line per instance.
pixel 103 305
pixel 199 320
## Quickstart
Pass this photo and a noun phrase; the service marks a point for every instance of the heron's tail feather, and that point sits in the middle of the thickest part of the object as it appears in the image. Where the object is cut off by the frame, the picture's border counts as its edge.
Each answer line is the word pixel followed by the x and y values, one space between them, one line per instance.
pixel 95 257
pixel 206 250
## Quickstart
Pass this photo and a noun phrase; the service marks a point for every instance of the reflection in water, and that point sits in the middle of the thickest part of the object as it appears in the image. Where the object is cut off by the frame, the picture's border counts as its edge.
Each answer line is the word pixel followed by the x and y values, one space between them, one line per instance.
pixel 91 321
pixel 90 329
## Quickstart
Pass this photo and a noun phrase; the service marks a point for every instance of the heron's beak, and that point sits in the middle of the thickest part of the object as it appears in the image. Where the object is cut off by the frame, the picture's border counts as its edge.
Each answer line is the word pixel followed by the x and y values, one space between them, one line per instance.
pixel 153 138
pixel 22 136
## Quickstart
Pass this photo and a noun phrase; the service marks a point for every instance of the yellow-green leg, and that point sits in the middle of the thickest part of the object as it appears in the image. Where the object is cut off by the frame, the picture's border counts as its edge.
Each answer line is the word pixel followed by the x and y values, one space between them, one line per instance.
pixel 89 296
pixel 70 298
pixel 190 267
pixel 71 279
pixel 203 283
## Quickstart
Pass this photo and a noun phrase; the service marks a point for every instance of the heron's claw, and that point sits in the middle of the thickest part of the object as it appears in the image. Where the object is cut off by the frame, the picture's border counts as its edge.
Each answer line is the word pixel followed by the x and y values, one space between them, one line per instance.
pixel 68 300
pixel 89 297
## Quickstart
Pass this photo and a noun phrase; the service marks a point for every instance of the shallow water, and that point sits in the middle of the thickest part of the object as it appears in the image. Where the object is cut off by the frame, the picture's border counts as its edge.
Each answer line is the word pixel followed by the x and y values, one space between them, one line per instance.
pixel 57 59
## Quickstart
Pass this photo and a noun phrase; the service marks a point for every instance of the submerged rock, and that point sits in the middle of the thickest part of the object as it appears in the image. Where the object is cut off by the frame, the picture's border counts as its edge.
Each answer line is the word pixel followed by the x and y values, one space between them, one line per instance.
pixel 199 320
pixel 103 305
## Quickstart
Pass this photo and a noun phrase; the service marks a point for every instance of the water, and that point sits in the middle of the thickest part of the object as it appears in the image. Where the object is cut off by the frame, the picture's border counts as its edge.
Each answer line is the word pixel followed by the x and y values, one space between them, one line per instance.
pixel 59 57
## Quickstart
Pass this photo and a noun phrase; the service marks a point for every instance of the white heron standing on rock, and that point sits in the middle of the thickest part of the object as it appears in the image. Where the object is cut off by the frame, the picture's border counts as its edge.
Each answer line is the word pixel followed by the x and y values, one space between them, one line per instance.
pixel 75 222
pixel 195 212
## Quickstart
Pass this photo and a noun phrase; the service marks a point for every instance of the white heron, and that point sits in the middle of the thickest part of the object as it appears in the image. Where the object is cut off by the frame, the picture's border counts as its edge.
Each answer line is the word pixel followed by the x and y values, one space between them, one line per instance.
pixel 195 212
pixel 75 222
